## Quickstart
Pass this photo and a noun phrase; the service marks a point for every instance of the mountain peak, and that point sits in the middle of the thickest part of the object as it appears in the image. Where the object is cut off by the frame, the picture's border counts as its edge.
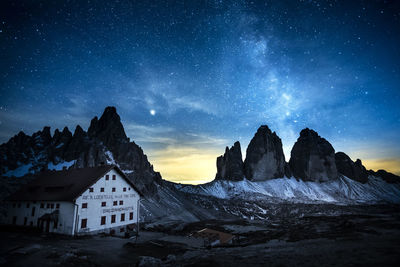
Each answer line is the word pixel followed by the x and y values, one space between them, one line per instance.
pixel 110 110
pixel 230 165
pixel 79 132
pixel 108 128
pixel 264 129
pixel 308 132
pixel 264 156
pixel 313 158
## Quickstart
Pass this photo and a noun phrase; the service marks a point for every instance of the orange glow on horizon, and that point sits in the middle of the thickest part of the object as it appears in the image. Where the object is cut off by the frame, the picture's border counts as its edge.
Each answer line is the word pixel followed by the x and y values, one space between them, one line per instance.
pixel 191 165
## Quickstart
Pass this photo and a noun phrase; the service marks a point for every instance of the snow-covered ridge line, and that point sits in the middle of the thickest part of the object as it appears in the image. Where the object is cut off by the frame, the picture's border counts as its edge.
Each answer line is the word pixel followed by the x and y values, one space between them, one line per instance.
pixel 342 190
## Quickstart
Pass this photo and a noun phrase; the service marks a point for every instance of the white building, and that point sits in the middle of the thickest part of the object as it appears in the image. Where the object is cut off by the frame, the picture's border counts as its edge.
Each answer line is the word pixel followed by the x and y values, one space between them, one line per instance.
pixel 77 201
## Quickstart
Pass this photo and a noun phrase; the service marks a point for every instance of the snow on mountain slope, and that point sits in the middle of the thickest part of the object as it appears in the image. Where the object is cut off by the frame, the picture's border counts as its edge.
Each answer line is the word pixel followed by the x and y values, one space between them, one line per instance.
pixel 340 191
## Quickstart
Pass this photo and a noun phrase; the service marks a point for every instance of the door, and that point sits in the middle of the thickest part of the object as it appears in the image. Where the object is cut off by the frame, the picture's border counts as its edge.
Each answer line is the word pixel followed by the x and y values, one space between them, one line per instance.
pixel 47 226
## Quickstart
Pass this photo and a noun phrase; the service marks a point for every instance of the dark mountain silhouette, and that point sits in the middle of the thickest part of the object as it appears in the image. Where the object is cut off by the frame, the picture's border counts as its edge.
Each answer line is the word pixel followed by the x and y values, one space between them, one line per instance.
pixel 105 142
pixel 230 165
pixel 312 159
pixel 264 156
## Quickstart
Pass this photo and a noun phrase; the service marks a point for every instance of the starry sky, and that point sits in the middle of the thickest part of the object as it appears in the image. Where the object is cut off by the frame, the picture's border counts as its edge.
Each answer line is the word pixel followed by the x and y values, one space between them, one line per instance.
pixel 191 77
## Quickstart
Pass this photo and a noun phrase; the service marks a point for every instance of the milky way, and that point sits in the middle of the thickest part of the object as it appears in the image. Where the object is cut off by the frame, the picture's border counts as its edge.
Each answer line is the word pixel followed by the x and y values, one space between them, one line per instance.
pixel 190 77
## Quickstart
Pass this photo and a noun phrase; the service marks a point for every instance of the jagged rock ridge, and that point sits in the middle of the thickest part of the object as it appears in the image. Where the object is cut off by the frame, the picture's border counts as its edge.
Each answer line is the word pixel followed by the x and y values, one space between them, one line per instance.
pixel 230 165
pixel 105 142
pixel 312 159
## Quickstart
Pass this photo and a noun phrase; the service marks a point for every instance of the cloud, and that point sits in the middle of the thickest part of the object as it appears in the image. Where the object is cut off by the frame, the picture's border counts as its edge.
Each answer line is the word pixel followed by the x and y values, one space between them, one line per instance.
pixel 167 93
pixel 160 93
pixel 149 134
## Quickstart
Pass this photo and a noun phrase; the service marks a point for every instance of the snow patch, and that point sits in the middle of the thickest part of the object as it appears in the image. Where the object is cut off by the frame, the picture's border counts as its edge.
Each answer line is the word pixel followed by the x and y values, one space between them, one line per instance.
pixel 110 158
pixel 20 171
pixel 342 190
pixel 59 145
pixel 60 166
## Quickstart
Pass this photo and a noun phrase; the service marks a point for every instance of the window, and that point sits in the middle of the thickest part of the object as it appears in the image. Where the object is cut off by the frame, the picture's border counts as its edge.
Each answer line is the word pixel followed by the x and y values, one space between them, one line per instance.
pixel 33 211
pixel 57 205
pixel 91 189
pixel 121 202
pixel 131 216
pixel 83 223
pixel 55 225
pixel 113 176
pixel 42 205
pixel 107 177
pixel 124 189
pixel 52 206
pixel 129 189
pixel 84 205
pixel 25 221
pixel 112 218
pixel 14 221
pixel 115 203
pixel 113 189
pixel 27 205
pixel 103 220
pixel 122 230
pixel 122 217
pixel 14 205
pixel 48 205
pixel 103 204
pixel 19 205
pixel 102 189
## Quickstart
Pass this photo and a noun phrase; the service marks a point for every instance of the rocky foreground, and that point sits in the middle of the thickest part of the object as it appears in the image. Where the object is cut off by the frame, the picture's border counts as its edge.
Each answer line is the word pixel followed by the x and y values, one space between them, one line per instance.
pixel 295 235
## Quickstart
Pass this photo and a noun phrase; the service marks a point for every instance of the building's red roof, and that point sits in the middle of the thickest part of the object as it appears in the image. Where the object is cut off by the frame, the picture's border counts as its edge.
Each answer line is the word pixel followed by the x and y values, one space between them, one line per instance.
pixel 213 235
pixel 65 185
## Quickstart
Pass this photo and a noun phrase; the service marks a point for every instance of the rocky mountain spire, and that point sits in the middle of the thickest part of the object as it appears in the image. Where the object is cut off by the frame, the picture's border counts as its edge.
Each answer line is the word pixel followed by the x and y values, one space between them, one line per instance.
pixel 79 132
pixel 313 158
pixel 230 165
pixel 264 156
pixel 352 170
pixel 108 128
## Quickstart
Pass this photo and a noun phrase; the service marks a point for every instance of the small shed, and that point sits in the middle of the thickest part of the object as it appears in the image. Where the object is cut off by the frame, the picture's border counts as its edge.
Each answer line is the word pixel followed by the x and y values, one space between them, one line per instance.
pixel 214 237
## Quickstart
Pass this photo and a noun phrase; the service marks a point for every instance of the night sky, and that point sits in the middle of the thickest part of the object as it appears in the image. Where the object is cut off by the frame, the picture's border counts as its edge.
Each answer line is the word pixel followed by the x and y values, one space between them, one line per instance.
pixel 190 77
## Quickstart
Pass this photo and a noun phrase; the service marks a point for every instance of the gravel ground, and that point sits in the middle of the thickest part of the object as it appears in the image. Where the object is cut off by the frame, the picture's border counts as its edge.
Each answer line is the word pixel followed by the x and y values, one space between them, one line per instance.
pixel 360 236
